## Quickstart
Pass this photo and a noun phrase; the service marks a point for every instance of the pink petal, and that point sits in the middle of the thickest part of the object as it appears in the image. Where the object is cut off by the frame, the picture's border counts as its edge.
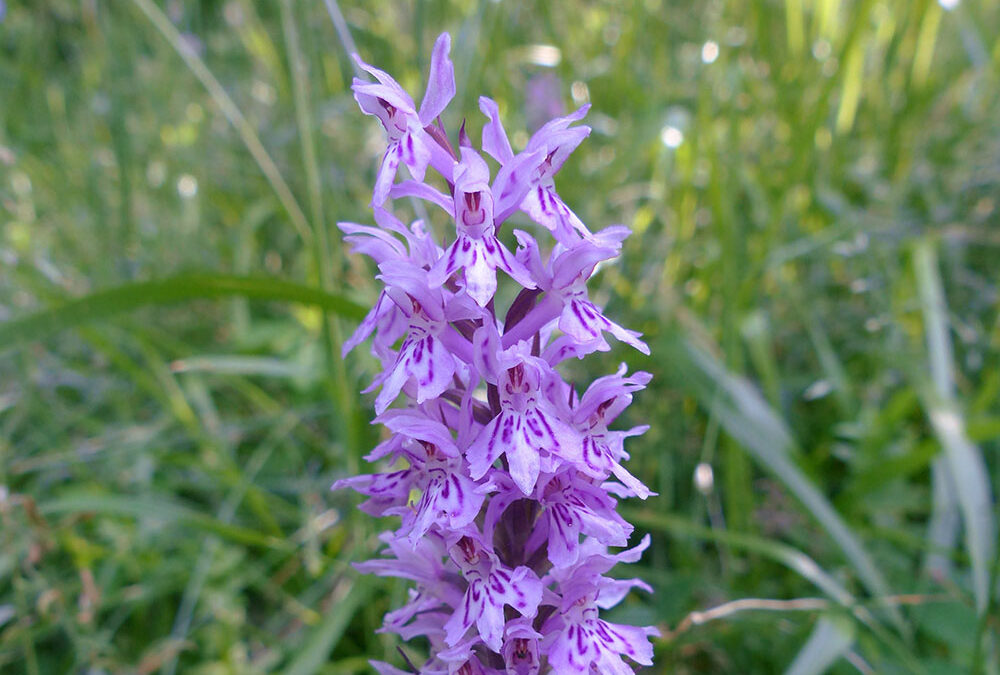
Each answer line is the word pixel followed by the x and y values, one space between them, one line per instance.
pixel 514 179
pixel 386 174
pixel 388 85
pixel 440 84
pixel 411 188
pixel 495 142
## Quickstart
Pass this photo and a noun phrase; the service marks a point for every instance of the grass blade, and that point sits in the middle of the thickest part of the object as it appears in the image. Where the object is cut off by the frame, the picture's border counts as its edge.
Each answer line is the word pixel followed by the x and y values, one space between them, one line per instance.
pixel 232 113
pixel 327 634
pixel 163 510
pixel 791 558
pixel 238 364
pixel 104 303
pixel 830 639
pixel 746 417
pixel 965 466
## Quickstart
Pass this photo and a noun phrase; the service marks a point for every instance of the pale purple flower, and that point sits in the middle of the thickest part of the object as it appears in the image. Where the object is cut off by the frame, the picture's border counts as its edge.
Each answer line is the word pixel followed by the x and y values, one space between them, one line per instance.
pixel 554 142
pixel 584 643
pixel 491 586
pixel 449 497
pixel 565 281
pixel 520 649
pixel 502 477
pixel 409 143
pixel 576 639
pixel 477 207
pixel 528 430
pixel 380 244
pixel 603 450
pixel 572 507
pixel 422 359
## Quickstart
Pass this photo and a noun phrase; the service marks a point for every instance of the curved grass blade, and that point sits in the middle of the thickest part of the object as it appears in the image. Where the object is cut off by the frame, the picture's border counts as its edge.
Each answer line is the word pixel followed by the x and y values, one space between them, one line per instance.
pixel 163 510
pixel 830 639
pixel 753 423
pixel 793 559
pixel 964 469
pixel 104 303
pixel 314 653
pixel 238 364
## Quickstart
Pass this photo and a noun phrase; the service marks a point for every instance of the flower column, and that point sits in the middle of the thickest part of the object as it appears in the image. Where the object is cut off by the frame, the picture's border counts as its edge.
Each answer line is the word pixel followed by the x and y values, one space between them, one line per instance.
pixel 507 477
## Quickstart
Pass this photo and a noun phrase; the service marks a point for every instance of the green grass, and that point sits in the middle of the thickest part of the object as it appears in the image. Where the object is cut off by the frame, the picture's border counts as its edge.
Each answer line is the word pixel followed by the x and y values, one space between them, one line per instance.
pixel 814 267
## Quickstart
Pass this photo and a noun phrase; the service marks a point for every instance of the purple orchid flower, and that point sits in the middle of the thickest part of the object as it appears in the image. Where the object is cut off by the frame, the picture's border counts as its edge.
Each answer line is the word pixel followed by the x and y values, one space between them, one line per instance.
pixel 584 643
pixel 573 507
pixel 520 650
pixel 528 430
pixel 565 281
pixel 491 587
pixel 555 141
pixel 603 450
pixel 423 359
pixel 409 143
pixel 576 639
pixel 386 249
pixel 476 207
pixel 504 480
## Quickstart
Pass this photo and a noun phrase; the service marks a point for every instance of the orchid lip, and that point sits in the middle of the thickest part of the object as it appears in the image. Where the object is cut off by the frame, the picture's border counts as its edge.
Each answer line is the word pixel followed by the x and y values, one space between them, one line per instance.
pixel 473 214
pixel 473 218
pixel 469 550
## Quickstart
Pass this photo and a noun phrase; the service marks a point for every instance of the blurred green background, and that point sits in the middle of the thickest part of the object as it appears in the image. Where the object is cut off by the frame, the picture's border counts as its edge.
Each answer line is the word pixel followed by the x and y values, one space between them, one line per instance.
pixel 813 186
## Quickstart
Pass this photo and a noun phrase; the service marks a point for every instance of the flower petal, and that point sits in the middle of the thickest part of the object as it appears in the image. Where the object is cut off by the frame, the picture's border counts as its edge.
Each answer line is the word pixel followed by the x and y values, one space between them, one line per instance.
pixel 441 82
pixel 495 142
pixel 386 174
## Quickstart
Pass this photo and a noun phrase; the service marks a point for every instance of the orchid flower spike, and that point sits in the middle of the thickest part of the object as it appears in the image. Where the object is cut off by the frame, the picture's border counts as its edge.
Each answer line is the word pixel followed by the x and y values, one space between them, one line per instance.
pixel 501 478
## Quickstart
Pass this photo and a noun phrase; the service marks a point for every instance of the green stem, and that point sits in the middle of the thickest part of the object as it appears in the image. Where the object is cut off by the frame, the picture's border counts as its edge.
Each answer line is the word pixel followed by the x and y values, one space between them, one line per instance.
pixel 233 115
pixel 337 381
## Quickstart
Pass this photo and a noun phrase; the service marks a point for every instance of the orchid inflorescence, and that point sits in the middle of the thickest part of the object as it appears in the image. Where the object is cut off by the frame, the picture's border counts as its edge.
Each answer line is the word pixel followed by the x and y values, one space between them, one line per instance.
pixel 504 465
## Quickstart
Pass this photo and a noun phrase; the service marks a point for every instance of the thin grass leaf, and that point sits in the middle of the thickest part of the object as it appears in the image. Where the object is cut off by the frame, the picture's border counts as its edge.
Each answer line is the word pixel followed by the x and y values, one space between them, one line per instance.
pixel 105 303
pixel 966 470
pixel 747 418
pixel 239 364
pixel 793 559
pixel 830 639
pixel 326 635
pixel 233 115
pixel 162 510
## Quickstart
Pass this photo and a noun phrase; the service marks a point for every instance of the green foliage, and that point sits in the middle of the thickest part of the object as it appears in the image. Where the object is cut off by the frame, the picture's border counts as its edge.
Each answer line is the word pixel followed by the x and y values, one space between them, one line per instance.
pixel 814 189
